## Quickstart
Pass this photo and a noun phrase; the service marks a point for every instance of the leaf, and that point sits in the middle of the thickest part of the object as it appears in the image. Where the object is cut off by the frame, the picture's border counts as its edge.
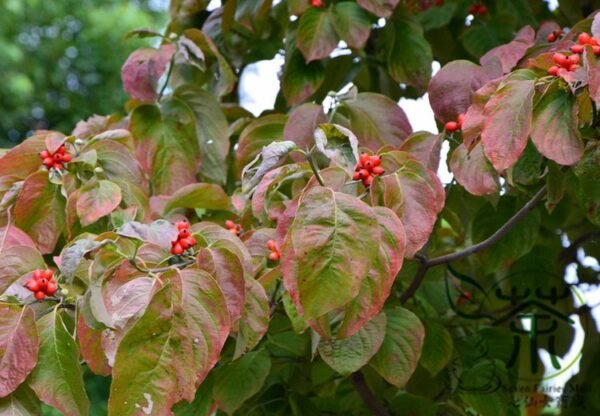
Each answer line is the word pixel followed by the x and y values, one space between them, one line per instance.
pixel 71 256
pixel 321 253
pixel 22 402
pixel 270 156
pixel 399 354
pixel 40 211
pixel 381 8
pixel 300 80
pixel 425 147
pixel 595 29
pixel 437 17
pixel 437 348
pixel 241 379
pixel 18 346
pixel 256 135
pixel 473 171
pixel 90 344
pixel 160 232
pixel 338 144
pixel 409 55
pixel 211 130
pixel 510 54
pixel 22 160
pixel 57 379
pixel 199 195
pixel 377 121
pixel 142 70
pixel 255 318
pixel 96 200
pixel 17 261
pixel 593 73
pixel 13 236
pixel 352 23
pixel 170 349
pixel 555 127
pixel 587 191
pixel 350 354
pixel 302 123
pixel 508 122
pixel 316 36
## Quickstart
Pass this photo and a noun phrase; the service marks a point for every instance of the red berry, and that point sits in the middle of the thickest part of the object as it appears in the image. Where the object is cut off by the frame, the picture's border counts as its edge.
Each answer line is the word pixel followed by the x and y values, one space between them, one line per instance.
pixel 464 297
pixel 192 241
pixel 451 126
pixel 274 256
pixel 596 50
pixel 48 273
pixel 553 70
pixel 367 181
pixel 363 158
pixel 560 59
pixel 51 289
pixel 573 67
pixel 177 249
pixel 473 9
pixel 364 173
pixel 482 10
pixel 42 283
pixel 189 241
pixel 573 59
pixel 356 176
pixel 184 232
pixel 593 41
pixel 551 37
pixel 66 157
pixel 57 165
pixel 368 165
pixel 38 274
pixel 44 154
pixel 577 48
pixel 377 170
pixel 439 2
pixel 316 3
pixel 62 149
pixel 48 162
pixel 460 120
pixel 272 245
pixel 181 225
pixel 40 295
pixel 32 285
pixel 229 224
pixel 583 38
pixel 376 160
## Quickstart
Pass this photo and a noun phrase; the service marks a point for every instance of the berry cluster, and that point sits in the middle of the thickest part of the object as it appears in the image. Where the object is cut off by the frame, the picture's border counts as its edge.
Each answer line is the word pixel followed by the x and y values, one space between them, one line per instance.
pixel 564 63
pixel 275 254
pixel 42 284
pixel 184 240
pixel 56 160
pixel 233 228
pixel 478 9
pixel 367 168
pixel 585 39
pixel 554 35
pixel 452 126
pixel 426 4
pixel 317 3
pixel 465 297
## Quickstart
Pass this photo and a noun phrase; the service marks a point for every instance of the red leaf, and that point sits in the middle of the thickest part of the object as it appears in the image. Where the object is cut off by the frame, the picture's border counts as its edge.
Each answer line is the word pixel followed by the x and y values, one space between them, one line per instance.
pixel 474 117
pixel 90 344
pixel 473 171
pixel 381 8
pixel 511 53
pixel 96 200
pixel 143 69
pixel 255 318
pixel 301 124
pixel 13 236
pixel 425 147
pixel 316 36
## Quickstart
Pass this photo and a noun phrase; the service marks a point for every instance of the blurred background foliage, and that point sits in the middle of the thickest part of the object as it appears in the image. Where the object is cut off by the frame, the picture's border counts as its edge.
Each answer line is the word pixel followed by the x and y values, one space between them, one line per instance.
pixel 60 60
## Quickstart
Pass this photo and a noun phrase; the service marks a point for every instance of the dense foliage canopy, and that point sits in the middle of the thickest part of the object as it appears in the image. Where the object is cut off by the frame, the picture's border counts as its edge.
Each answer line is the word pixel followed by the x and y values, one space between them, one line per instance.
pixel 310 261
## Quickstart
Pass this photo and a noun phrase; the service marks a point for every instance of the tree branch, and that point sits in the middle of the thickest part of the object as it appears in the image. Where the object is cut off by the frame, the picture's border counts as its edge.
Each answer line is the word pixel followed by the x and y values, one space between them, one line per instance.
pixel 426 264
pixel 367 395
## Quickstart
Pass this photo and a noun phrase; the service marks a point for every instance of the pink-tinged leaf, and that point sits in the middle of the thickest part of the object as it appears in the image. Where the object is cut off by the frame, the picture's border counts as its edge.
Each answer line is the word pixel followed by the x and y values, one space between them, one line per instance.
pixel 96 200
pixel 170 349
pixel 350 354
pixel 215 236
pixel 377 121
pixel 425 147
pixel 593 72
pixel 511 53
pixel 399 354
pixel 376 287
pixel 330 247
pixel 301 124
pixel 54 141
pixel 352 23
pixel 473 171
pixel 90 344
pixel 142 70
pixel 257 134
pixel 555 127
pixel 316 36
pixel 199 195
pixel 300 79
pixel 22 402
pixel 227 269
pixel 58 378
pixel 596 26
pixel 40 211
pixel 381 8
pixel 160 232
pixel 474 117
pixel 95 125
pixel 22 160
pixel 128 300
pixel 545 29
pixel 18 346
pixel 11 236
pixel 507 122
pixel 17 261
pixel 450 90
pixel 255 318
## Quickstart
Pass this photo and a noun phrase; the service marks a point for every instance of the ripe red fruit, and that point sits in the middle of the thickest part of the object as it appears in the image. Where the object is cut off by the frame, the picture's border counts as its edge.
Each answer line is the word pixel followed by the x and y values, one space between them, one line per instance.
pixel 560 59
pixel 553 70
pixel 49 161
pixel 182 225
pixel 316 3
pixel 184 233
pixel 32 285
pixel 272 245
pixel 482 10
pixel 42 283
pixel 51 288
pixel 593 41
pixel 66 157
pixel 177 249
pixel 38 274
pixel 44 154
pixel 367 181
pixel 274 256
pixel 577 48
pixel 378 170
pixel 62 149
pixel 376 160
pixel 364 173
pixel 551 37
pixel 229 224
pixel 356 176
pixel 40 295
pixel 461 119
pixel 583 38
pixel 368 165
pixel 451 126
pixel 363 158
pixel 573 67
pixel 596 50
pixel 573 59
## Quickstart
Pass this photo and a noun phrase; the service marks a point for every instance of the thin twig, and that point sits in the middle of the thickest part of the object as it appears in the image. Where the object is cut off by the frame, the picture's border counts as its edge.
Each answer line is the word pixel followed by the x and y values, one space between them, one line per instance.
pixel 426 264
pixel 164 87
pixel 314 168
pixel 183 264
pixel 358 381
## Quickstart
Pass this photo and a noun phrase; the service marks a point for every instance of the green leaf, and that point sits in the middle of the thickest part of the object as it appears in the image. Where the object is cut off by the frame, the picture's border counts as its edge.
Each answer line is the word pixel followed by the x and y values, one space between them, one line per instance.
pixel 399 354
pixel 437 17
pixel 22 160
pixel 255 136
pixel 350 354
pixel 507 123
pixel 473 171
pixel 211 130
pixel 300 80
pixel 40 211
pixel 270 156
pixel 321 253
pixel 17 261
pixel 71 256
pixel 96 200
pixel 171 348
pixel 255 318
pixel 437 348
pixel 409 55
pixel 18 346
pixel 316 36
pixel 587 191
pixel 555 128
pixel 22 402
pixel 377 121
pixel 199 195
pixel 381 8
pixel 411 404
pixel 243 378
pixel 352 23
pixel 58 378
